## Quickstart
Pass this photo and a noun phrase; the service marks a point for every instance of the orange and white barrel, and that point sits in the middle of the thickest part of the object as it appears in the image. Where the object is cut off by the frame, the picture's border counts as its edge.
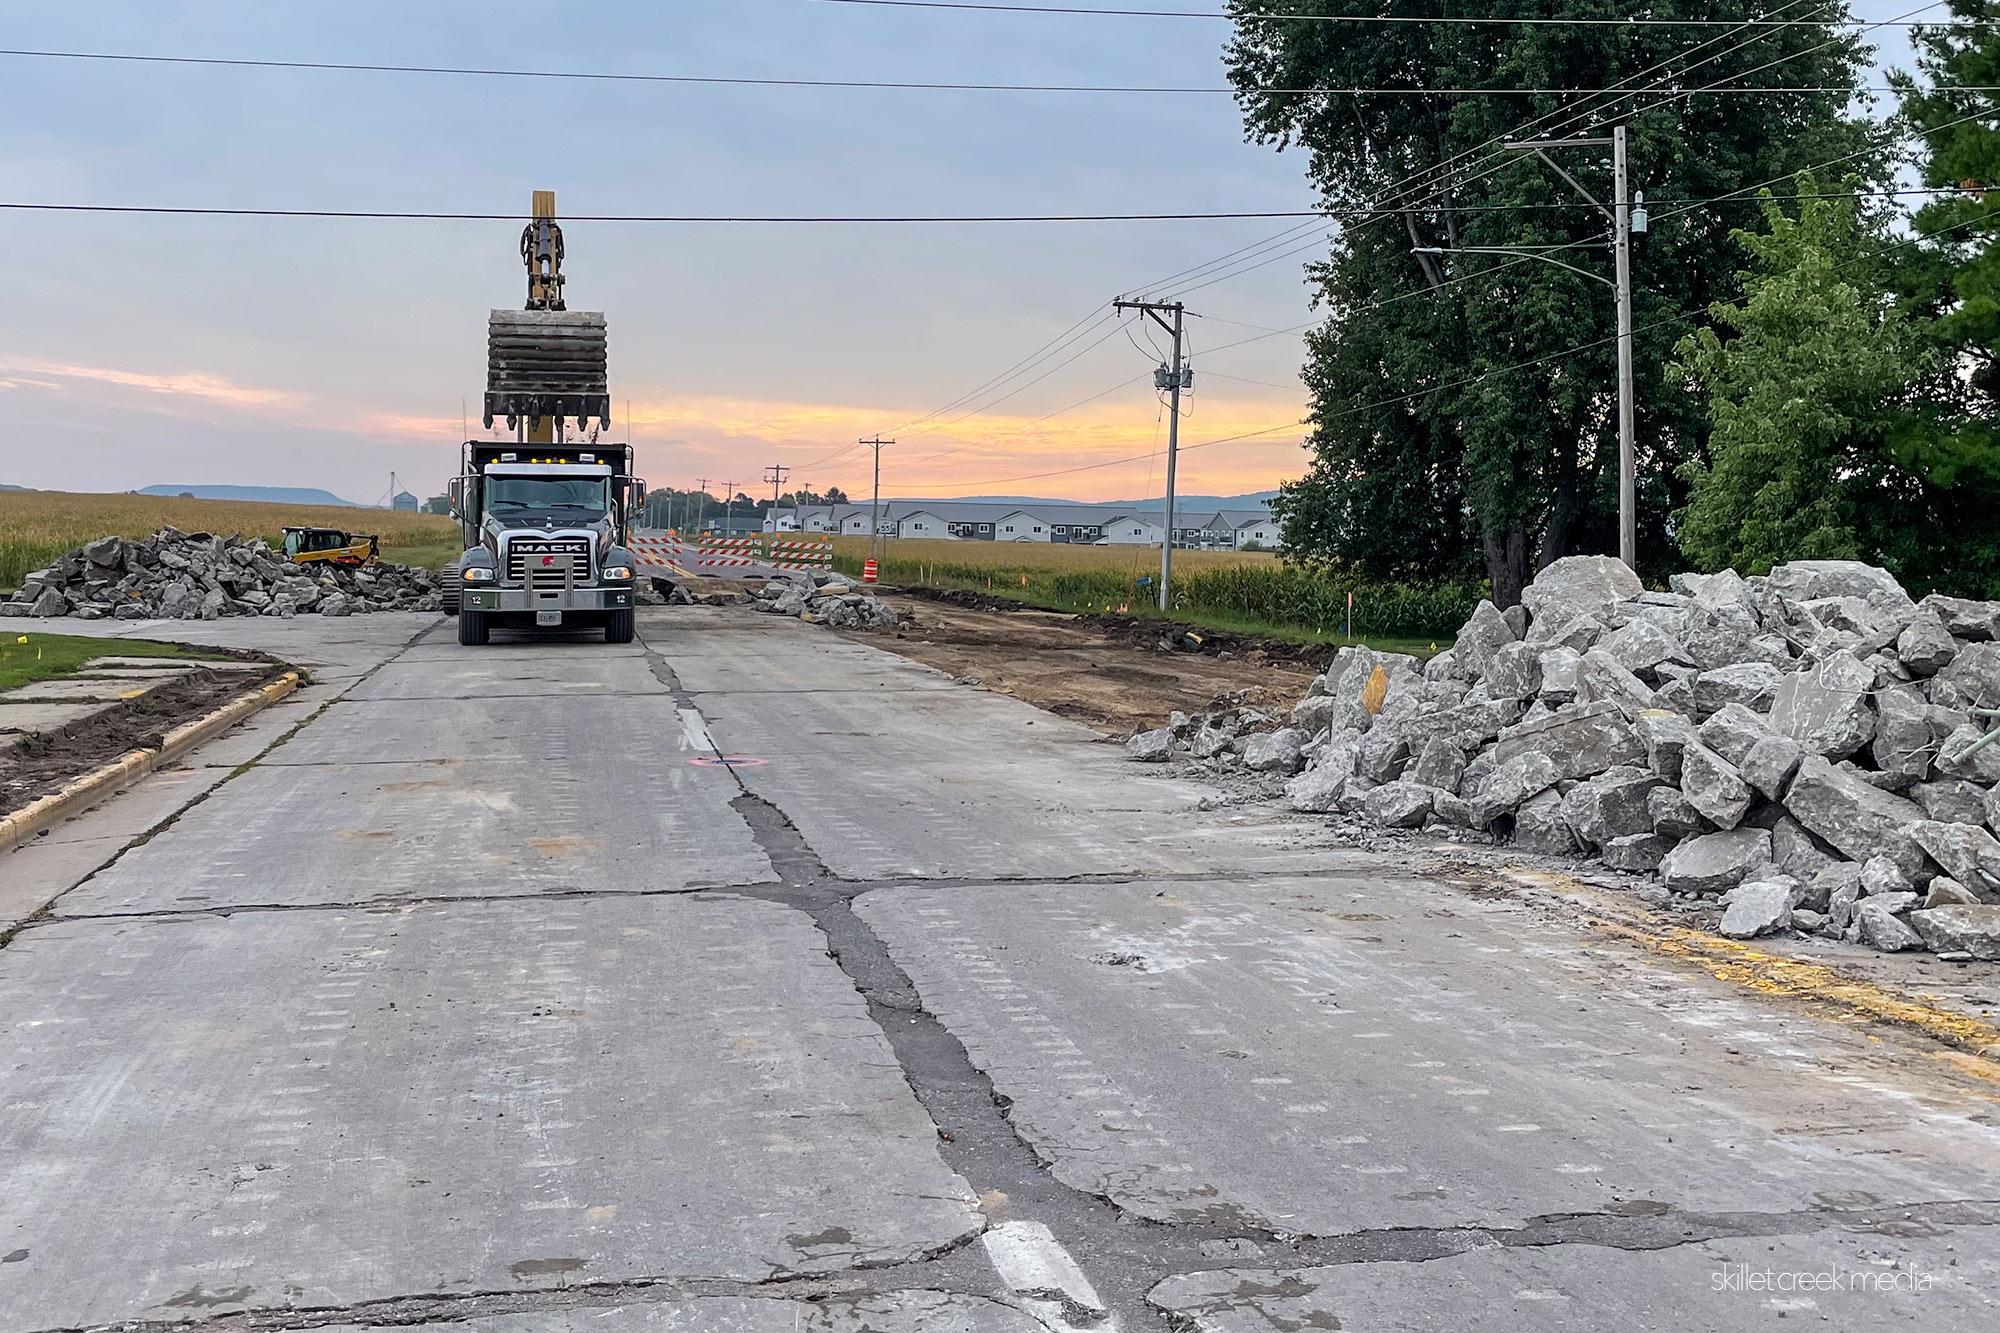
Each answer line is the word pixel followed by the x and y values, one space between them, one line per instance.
pixel 868 572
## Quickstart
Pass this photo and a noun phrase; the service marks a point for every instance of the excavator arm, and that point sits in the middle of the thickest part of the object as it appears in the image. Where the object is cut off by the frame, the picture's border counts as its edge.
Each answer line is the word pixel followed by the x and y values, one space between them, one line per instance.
pixel 546 364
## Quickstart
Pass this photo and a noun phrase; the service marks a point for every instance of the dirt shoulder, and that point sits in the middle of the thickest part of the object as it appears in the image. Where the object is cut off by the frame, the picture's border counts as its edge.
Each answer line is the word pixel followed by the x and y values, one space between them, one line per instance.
pixel 1112 673
pixel 38 763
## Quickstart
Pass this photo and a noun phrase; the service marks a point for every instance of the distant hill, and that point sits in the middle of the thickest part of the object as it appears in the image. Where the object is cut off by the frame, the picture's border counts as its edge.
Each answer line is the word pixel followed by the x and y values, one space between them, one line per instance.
pixel 288 495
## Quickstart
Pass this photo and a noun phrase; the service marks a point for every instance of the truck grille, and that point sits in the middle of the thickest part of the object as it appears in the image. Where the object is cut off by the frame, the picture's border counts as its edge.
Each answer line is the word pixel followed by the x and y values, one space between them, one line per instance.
pixel 548 563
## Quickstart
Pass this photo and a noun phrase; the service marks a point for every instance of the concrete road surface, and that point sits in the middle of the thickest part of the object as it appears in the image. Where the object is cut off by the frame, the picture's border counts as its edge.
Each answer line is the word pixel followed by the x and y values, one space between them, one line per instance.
pixel 749 978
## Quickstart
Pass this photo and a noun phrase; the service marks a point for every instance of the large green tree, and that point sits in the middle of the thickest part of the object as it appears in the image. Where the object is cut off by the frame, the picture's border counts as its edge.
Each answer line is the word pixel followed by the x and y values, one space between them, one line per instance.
pixel 1464 405
pixel 1813 382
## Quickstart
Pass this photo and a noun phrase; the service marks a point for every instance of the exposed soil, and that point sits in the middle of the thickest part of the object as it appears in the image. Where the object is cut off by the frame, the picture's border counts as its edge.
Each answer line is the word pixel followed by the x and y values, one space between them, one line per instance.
pixel 1111 672
pixel 32 766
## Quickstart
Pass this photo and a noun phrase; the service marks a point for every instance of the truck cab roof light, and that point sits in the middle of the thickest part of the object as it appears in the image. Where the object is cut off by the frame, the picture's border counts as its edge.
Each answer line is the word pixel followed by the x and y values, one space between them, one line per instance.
pixel 507 458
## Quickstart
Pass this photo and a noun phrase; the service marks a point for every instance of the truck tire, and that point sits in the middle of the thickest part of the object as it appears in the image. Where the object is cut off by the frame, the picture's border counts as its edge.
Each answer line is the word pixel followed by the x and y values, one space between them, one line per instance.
pixel 449 588
pixel 618 626
pixel 472 628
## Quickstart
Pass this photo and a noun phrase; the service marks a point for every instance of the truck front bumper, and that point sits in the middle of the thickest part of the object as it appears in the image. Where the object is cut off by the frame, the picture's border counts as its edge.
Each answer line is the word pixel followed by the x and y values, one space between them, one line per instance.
pixel 503 600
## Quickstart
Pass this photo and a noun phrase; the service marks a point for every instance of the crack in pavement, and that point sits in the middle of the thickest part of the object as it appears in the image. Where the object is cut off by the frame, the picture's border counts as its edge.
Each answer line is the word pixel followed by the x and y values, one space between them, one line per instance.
pixel 42 915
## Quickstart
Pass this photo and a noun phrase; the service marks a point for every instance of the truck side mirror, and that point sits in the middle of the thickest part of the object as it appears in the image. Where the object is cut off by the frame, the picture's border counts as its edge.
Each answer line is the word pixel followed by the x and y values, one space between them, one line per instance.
pixel 457 492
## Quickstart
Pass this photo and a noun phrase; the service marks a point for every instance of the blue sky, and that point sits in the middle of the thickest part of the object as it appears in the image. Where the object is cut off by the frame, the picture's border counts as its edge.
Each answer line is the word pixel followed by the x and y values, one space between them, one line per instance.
pixel 317 352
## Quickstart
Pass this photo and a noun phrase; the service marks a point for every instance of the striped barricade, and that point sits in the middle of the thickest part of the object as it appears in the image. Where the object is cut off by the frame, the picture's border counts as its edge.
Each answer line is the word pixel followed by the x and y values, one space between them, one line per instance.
pixel 664 553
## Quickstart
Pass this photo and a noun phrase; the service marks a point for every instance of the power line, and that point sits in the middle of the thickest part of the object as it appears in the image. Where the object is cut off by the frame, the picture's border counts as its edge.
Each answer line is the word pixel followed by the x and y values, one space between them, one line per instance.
pixel 898 85
pixel 1406 20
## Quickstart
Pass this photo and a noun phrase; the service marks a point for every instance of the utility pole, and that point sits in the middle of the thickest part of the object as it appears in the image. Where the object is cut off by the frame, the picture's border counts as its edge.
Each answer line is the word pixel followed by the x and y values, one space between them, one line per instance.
pixel 699 507
pixel 776 476
pixel 728 505
pixel 875 510
pixel 1174 376
pixel 1627 218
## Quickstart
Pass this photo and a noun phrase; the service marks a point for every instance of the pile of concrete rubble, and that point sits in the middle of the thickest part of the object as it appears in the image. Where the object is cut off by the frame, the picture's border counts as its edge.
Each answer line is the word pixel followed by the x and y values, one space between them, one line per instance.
pixel 828 599
pixel 175 575
pixel 1806 747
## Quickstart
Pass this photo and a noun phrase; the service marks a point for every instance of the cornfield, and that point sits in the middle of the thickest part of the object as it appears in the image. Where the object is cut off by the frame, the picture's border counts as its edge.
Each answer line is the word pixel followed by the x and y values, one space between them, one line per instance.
pixel 38 526
pixel 1242 587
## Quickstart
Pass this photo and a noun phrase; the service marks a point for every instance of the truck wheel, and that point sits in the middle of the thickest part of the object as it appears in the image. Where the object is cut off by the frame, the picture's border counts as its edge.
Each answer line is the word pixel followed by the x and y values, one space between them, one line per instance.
pixel 472 627
pixel 618 626
pixel 449 586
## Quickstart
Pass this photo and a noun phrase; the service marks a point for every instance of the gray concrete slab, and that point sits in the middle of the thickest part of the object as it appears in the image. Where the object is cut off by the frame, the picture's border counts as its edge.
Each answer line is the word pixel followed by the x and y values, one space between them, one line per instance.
pixel 20 718
pixel 1943 1283
pixel 964 783
pixel 635 729
pixel 474 673
pixel 334 648
pixel 65 854
pixel 569 821
pixel 256 733
pixel 1320 1056
pixel 281 1109
pixel 126 665
pixel 890 1312
pixel 790 656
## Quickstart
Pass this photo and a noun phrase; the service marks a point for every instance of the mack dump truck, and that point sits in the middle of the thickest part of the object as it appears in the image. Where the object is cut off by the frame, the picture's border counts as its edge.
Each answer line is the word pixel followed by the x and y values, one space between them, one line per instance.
pixel 544 518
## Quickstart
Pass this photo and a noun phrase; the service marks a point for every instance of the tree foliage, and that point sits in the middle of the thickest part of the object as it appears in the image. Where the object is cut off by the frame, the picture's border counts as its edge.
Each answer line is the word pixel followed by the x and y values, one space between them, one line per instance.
pixel 1811 382
pixel 1464 405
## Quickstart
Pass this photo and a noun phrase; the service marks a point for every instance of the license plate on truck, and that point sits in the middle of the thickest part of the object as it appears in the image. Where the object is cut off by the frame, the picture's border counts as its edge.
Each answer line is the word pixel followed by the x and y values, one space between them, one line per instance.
pixel 548 618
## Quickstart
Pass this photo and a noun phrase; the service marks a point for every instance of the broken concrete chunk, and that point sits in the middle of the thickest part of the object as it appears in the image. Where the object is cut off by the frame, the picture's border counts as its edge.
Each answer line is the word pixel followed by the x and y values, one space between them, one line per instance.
pixel 1925 646
pixel 1665 735
pixel 1518 779
pixel 1601 676
pixel 1805 580
pixel 1948 892
pixel 1582 739
pixel 1733 730
pixel 1796 851
pixel 1315 713
pixel 1638 851
pixel 1672 815
pixel 1715 862
pixel 1714 787
pixel 1905 741
pixel 1317 790
pixel 1963 618
pixel 1951 800
pixel 1642 646
pixel 1827 707
pixel 1590 582
pixel 1880 875
pixel 1968 853
pixel 1539 825
pixel 1483 635
pixel 1440 764
pixel 1275 751
pixel 1759 907
pixel 1961 928
pixel 1151 747
pixel 1859 820
pixel 1515 672
pixel 1609 806
pixel 1972 680
pixel 1559 668
pixel 1965 754
pixel 1399 804
pixel 1883 931
pixel 1770 764
pixel 1752 684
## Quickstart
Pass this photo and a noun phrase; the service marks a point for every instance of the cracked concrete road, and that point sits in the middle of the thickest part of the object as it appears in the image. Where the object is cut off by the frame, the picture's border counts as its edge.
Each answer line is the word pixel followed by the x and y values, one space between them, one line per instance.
pixel 474 990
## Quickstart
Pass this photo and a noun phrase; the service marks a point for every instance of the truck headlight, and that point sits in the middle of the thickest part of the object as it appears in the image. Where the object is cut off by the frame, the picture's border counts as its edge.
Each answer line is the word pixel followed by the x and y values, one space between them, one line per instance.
pixel 618 573
pixel 476 574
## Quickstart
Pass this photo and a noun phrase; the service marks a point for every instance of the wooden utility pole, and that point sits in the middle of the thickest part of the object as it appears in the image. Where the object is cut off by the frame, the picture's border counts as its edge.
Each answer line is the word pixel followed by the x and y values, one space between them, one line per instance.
pixel 1174 376
pixel 875 510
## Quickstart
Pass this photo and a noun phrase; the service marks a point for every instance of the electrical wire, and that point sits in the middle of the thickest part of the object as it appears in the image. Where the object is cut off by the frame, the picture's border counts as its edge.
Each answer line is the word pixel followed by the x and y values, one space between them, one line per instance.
pixel 903 85
pixel 1458 21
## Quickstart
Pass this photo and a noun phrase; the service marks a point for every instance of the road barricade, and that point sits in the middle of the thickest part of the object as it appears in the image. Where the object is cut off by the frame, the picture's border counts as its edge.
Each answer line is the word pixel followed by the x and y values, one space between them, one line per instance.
pixel 662 553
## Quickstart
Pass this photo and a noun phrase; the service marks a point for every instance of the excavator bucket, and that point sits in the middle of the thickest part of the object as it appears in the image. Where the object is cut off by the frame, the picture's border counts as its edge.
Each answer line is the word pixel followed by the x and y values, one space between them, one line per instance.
pixel 544 364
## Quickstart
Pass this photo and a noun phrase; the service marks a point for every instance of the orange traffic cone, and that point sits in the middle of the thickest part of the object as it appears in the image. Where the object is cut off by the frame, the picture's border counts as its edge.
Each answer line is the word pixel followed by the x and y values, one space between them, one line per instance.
pixel 868 572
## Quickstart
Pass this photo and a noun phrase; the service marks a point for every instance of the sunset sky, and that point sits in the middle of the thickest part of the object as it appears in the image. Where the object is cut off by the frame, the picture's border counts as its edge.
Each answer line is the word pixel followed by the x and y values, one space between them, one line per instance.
pixel 321 352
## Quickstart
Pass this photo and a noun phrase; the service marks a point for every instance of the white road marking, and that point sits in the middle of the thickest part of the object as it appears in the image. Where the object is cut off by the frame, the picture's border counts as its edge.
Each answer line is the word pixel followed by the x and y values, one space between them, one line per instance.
pixel 1035 1267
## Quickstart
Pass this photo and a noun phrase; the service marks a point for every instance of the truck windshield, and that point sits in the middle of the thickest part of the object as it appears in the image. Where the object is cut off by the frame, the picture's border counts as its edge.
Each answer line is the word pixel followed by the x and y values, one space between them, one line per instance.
pixel 570 495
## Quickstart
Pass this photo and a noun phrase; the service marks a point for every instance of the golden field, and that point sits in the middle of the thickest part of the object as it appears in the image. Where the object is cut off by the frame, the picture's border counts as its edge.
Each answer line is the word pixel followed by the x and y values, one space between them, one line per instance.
pixel 38 526
pixel 1054 556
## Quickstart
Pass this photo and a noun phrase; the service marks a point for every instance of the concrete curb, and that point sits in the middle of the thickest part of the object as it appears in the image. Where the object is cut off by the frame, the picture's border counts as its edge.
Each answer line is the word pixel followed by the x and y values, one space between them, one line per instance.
pixel 129 767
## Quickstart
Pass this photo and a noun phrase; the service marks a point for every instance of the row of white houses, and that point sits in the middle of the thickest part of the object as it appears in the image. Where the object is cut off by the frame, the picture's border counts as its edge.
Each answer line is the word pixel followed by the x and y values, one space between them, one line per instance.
pixel 1089 525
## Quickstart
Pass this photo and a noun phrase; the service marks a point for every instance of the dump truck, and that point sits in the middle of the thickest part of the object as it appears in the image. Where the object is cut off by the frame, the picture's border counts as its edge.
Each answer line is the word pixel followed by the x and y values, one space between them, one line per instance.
pixel 545 517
